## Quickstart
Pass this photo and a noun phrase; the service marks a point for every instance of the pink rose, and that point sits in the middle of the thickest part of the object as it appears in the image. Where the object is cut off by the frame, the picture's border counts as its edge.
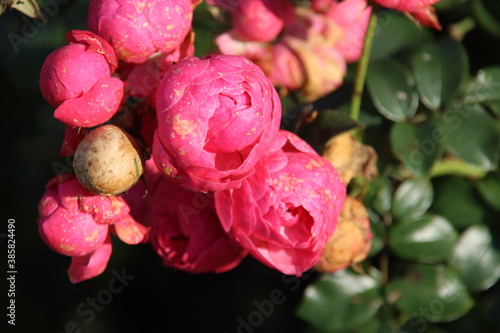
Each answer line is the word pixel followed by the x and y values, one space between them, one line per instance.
pixel 216 117
pixel 287 210
pixel 185 230
pixel 143 79
pixel 261 20
pixel 73 221
pixel 76 79
pixel 421 10
pixel 229 43
pixel 65 224
pixel 284 67
pixel 76 223
pixel 137 29
pixel 352 16
pixel 90 265
pixel 324 66
pixel 406 5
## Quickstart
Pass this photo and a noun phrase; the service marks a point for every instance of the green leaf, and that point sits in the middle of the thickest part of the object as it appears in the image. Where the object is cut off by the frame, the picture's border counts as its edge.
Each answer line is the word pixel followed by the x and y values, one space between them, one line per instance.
pixel 493 106
pixel 454 69
pixel 342 300
pixel 378 231
pixel 484 87
pixel 431 292
pixel 412 199
pixel 456 199
pixel 475 259
pixel 426 64
pixel 489 188
pixel 379 195
pixel 392 89
pixel 395 33
pixel 471 135
pixel 417 145
pixel 429 239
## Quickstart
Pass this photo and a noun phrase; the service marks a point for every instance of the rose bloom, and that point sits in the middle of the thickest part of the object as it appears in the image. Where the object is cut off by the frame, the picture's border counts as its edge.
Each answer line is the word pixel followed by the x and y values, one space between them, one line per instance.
pixel 143 79
pixel 283 67
pixel 185 230
pixel 287 210
pixel 76 80
pixel 216 117
pixel 137 29
pixel 75 223
pixel 421 10
pixel 352 16
pixel 261 20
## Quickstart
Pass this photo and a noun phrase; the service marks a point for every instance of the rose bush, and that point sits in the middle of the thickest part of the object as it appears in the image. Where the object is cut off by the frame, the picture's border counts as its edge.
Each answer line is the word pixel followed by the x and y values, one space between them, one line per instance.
pixel 287 210
pixel 216 117
pixel 76 80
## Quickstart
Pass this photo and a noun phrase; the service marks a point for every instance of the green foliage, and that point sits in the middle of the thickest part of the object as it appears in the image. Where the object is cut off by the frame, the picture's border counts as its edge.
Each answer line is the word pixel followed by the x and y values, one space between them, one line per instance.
pixel 342 301
pixel 432 113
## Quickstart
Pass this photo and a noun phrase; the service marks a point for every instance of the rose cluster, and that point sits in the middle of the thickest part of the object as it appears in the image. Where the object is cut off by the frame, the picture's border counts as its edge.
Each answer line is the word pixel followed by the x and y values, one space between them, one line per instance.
pixel 306 48
pixel 185 152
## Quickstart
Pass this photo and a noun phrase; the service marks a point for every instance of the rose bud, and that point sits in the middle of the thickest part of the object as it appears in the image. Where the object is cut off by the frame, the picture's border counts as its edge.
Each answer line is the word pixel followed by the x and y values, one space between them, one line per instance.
pixel 352 16
pixel 185 230
pixel 261 20
pixel 90 265
pixel 229 43
pixel 350 242
pixel 216 117
pixel 314 39
pixel 64 224
pixel 137 29
pixel 421 10
pixel 324 67
pixel 351 158
pixel 144 78
pixel 285 212
pixel 108 161
pixel 283 67
pixel 76 80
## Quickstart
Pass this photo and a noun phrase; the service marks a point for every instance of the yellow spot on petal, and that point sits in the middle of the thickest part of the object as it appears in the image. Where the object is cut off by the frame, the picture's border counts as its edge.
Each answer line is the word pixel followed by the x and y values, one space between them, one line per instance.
pixel 66 247
pixel 92 237
pixel 183 127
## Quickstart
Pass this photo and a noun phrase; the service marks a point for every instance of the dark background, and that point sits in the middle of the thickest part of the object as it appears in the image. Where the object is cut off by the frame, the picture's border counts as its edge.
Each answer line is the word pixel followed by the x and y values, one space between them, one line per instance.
pixel 157 299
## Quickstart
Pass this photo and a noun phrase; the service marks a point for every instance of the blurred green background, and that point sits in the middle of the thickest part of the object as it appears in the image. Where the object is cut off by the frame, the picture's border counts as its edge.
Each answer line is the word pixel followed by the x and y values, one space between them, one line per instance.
pixel 159 299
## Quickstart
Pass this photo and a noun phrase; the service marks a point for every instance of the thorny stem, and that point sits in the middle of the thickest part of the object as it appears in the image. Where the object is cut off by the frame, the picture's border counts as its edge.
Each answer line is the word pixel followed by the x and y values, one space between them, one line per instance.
pixel 360 78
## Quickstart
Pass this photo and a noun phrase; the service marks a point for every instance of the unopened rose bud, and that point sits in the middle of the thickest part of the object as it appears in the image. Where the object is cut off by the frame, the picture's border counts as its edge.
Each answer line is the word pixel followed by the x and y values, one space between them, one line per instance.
pixel 350 242
pixel 351 158
pixel 107 161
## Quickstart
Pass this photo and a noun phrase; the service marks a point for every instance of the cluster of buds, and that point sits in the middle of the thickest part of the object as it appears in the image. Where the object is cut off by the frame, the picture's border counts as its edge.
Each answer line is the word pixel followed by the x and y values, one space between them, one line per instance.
pixel 186 153
pixel 306 48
